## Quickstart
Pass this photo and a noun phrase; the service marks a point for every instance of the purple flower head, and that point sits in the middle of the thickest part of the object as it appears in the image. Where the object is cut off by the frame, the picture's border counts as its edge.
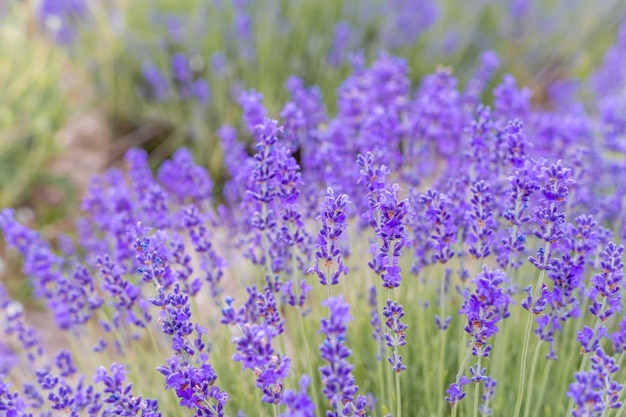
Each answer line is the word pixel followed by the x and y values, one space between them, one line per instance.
pixel 253 111
pixel 195 386
pixel 481 220
pixel 183 75
pixel 211 264
pixel 489 62
pixel 298 404
pixel 619 338
pixel 119 399
pixel 590 341
pixel 405 20
pixel 184 179
pixel 438 116
pixel 341 39
pixel 484 308
pixel 607 283
pixel 288 292
pixel 201 91
pixel 10 401
pixel 510 102
pixel 374 177
pixel 396 333
pixel 334 222
pixel 595 391
pixel 455 391
pixel 392 234
pixel 523 184
pixel 157 86
pixel 62 18
pixel 337 379
pixel 443 230
pixel 516 143
pixel 488 393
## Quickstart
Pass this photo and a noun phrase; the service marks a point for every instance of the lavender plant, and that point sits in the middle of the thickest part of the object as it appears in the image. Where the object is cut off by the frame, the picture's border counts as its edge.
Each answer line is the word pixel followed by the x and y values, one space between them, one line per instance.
pixel 430 239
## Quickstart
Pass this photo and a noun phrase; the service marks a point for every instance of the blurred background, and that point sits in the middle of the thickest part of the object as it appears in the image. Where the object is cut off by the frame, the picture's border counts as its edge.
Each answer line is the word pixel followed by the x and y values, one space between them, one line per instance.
pixel 81 81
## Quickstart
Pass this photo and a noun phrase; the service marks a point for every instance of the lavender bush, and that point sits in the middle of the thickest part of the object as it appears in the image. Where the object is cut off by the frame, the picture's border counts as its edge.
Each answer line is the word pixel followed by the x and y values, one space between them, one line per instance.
pixel 411 249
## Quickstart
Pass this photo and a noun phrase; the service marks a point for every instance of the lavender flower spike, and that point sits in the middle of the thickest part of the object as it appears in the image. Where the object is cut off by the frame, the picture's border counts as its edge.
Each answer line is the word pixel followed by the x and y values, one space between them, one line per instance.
pixel 334 222
pixel 337 378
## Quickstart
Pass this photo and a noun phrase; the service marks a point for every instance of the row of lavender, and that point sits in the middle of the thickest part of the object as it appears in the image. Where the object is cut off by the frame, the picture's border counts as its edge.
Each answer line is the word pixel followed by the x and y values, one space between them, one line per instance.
pixel 432 178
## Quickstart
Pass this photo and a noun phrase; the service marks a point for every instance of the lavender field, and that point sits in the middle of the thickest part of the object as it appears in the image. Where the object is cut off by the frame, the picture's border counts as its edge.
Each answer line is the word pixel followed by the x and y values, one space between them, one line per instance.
pixel 300 208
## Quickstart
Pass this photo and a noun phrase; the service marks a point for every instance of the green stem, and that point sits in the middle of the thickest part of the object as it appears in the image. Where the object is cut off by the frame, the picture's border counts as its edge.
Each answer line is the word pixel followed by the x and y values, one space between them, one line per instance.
pixel 529 322
pixel 533 368
pixel 399 395
pixel 442 346
pixel 477 389
pixel 309 361
pixel 542 390
pixel 382 380
pixel 389 385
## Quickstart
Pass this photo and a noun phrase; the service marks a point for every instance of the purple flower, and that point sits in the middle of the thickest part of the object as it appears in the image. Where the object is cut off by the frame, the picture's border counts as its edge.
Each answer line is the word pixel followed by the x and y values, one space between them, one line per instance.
pixel 62 18
pixel 595 391
pixel 482 223
pixel 298 404
pixel 334 221
pixel 509 102
pixel 183 76
pixel 438 116
pixel 395 336
pixel 253 111
pixel 186 180
pixel 489 62
pixel 10 401
pixel 157 86
pixel 406 20
pixel 211 263
pixel 484 308
pixel 120 400
pixel 337 379
pixel 340 43
pixel 455 391
pixel 606 284
pixel 488 393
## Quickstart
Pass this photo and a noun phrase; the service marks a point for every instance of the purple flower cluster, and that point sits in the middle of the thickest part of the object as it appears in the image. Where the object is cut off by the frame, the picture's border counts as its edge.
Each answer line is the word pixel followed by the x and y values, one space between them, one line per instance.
pixel 339 383
pixel 484 308
pixel 482 222
pixel 596 390
pixel 62 18
pixel 606 284
pixel 395 337
pixel 259 324
pixel 334 222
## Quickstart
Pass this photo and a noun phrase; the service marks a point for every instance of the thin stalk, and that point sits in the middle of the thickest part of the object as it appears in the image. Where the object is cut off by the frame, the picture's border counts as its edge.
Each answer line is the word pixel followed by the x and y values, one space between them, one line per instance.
pixel 477 389
pixel 398 394
pixel 529 322
pixel 385 399
pixel 533 368
pixel 389 385
pixel 307 355
pixel 460 374
pixel 442 345
pixel 542 390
